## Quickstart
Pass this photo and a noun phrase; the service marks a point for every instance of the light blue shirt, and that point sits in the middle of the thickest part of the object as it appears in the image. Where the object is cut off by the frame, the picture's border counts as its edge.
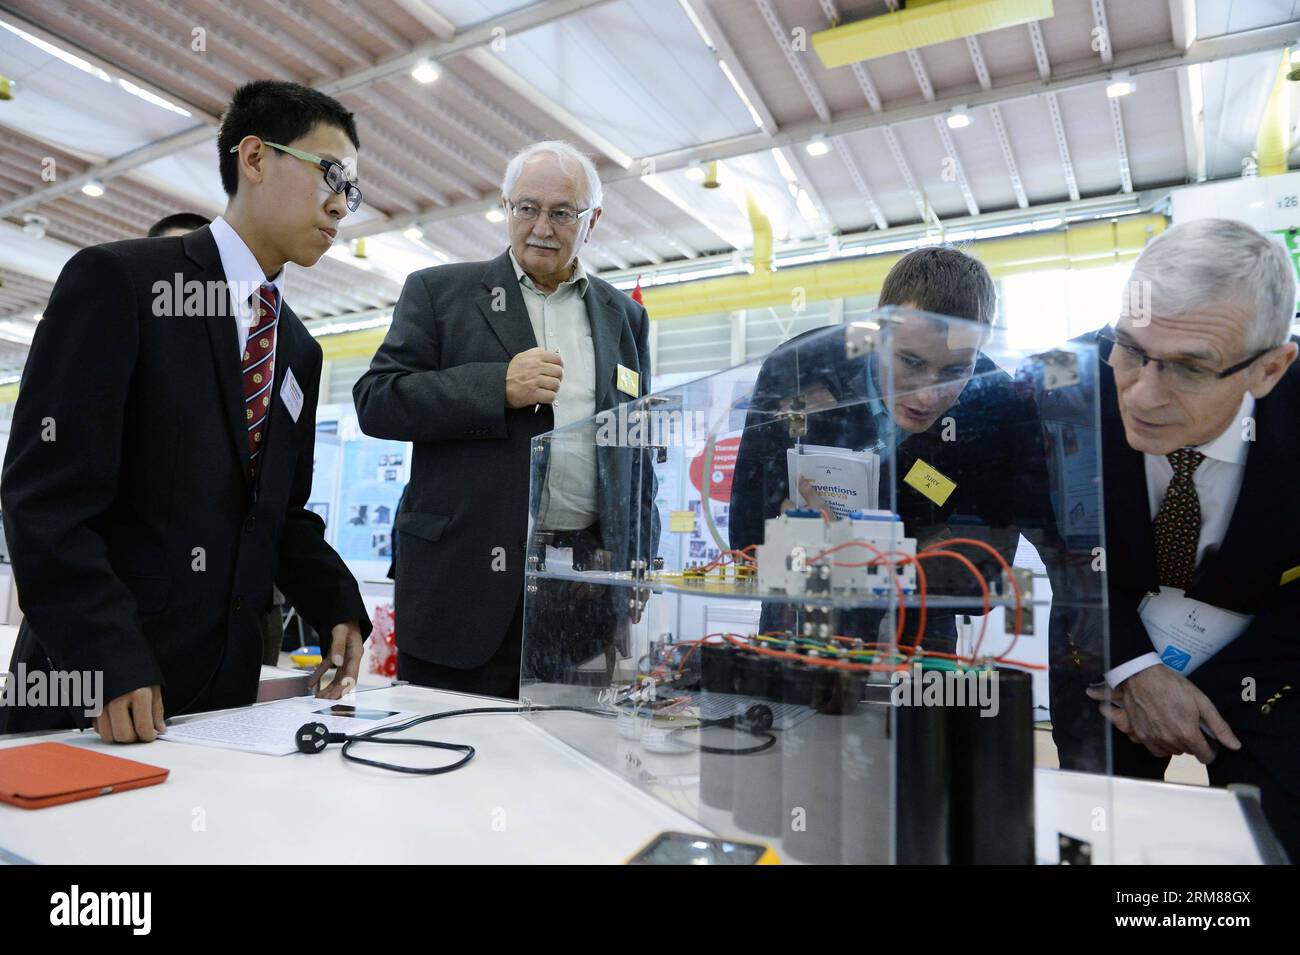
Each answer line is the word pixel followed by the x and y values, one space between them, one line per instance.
pixel 888 435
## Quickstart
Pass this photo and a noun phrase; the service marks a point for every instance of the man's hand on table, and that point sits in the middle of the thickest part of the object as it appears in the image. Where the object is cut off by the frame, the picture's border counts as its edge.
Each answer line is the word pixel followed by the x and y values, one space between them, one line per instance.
pixel 135 717
pixel 345 653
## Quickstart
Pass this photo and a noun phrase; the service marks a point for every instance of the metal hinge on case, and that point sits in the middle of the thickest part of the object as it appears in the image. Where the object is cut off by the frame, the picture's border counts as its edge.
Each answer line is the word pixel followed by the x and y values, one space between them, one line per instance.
pixel 1024 578
pixel 860 337
pixel 1060 369
pixel 795 418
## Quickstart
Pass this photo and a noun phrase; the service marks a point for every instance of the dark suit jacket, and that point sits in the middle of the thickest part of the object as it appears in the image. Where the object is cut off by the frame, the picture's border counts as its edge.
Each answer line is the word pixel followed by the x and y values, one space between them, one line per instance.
pixel 140 545
pixel 438 380
pixel 1261 544
pixel 996 459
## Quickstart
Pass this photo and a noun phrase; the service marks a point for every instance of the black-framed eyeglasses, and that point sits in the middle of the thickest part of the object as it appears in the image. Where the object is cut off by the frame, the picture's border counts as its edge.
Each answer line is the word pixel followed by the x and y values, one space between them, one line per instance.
pixel 336 177
pixel 1126 358
pixel 527 211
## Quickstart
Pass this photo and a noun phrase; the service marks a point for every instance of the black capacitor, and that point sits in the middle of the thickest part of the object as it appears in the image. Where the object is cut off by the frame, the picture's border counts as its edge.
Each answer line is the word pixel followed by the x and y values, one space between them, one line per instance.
pixel 811 797
pixel 718 693
pixel 922 797
pixel 756 796
pixel 797 696
pixel 993 771
pixel 866 775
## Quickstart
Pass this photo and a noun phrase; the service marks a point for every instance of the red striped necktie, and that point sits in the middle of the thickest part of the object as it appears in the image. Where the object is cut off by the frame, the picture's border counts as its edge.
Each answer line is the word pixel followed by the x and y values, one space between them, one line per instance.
pixel 259 369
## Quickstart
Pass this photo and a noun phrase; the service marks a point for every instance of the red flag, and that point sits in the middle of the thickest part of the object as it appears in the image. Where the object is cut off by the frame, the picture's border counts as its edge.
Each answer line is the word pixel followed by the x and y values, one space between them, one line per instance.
pixel 636 293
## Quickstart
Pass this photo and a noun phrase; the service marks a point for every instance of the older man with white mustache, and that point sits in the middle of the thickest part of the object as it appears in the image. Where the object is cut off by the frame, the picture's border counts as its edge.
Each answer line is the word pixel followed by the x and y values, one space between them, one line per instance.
pixel 481 358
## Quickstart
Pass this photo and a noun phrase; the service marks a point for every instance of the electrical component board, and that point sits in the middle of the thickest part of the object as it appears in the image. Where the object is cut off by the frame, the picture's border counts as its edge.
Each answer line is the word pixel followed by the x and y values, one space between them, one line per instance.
pixel 803 554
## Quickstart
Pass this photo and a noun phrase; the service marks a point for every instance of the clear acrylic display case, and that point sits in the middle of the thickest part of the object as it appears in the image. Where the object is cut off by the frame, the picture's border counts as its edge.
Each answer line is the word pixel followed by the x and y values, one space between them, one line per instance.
pixel 813 607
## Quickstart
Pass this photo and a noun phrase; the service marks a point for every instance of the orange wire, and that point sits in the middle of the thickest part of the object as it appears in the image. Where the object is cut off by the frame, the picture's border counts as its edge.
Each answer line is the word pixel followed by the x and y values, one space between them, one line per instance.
pixel 979 578
pixel 1015 587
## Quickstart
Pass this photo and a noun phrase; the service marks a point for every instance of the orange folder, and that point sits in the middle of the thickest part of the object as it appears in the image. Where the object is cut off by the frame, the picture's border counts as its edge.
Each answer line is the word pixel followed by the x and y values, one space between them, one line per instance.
pixel 48 774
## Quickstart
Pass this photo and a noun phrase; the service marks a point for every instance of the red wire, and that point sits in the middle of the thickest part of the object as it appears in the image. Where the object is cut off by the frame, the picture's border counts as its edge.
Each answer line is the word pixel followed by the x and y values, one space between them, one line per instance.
pixel 1015 587
pixel 984 587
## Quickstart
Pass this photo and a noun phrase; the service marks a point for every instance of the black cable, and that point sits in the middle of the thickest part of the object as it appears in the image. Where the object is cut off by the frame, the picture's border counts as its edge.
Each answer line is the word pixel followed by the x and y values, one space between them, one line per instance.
pixel 731 722
pixel 373 736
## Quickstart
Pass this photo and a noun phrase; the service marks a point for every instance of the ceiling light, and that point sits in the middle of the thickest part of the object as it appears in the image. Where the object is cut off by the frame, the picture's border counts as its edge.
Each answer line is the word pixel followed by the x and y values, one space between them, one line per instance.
pixel 34 224
pixel 94 188
pixel 1121 85
pixel 494 215
pixel 958 118
pixel 414 233
pixel 817 146
pixel 426 72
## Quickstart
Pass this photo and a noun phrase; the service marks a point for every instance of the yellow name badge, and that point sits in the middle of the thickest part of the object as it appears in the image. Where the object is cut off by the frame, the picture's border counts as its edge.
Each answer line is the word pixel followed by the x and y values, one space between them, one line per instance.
pixel 929 482
pixel 681 522
pixel 1289 575
pixel 629 382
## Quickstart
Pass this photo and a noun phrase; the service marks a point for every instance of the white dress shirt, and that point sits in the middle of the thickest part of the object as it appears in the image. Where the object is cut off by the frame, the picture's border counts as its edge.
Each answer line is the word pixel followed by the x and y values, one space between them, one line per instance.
pixel 561 324
pixel 243 278
pixel 1218 482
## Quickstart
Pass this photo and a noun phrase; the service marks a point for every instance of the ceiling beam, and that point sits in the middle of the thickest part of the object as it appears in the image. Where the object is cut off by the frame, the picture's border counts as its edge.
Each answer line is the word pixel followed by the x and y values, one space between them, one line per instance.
pixel 917 64
pixel 1040 50
pixel 1121 144
pixel 1182 22
pixel 977 61
pixel 851 164
pixel 1155 59
pixel 107 65
pixel 626 209
pixel 726 55
pixel 1068 212
pixel 995 114
pixel 927 92
pixel 782 37
pixel 1013 169
pixel 1191 101
pixel 1191 91
pixel 476 36
pixel 868 87
pixel 1062 146
pixel 959 172
pixel 556 112
pixel 1054 109
pixel 905 169
pixel 1101 32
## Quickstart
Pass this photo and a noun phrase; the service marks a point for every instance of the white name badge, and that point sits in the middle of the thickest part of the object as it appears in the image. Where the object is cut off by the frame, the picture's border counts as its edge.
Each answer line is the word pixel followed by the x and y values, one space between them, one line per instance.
pixel 291 394
pixel 1187 632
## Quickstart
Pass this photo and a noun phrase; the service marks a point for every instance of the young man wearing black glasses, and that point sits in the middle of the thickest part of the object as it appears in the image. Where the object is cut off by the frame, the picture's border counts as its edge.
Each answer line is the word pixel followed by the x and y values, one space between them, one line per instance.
pixel 1200 395
pixel 161 449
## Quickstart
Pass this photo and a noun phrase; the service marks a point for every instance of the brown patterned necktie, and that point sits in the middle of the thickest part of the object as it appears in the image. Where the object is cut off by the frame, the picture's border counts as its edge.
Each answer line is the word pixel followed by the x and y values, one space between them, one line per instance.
pixel 1178 522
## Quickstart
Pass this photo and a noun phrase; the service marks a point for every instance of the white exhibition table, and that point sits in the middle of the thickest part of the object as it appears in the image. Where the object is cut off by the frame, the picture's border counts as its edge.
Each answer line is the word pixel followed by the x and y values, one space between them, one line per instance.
pixel 526 797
